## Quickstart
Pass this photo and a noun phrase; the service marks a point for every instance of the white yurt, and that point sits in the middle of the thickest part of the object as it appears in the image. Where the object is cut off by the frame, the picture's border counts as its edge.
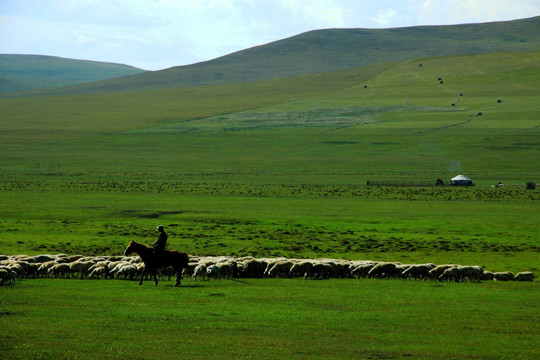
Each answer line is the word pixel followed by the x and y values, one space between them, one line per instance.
pixel 461 180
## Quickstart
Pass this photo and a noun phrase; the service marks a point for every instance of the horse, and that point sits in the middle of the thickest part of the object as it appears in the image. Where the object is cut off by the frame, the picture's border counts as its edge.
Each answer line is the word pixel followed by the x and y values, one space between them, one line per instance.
pixel 178 260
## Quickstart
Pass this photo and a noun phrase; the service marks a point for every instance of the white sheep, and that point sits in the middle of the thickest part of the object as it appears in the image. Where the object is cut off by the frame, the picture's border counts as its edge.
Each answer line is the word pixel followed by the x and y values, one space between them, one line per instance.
pixel 361 270
pixel 80 267
pixel 212 272
pixel 61 270
pixel 451 273
pixel 417 271
pixel 524 276
pixel 300 269
pixel 322 270
pixel 385 269
pixel 438 270
pixel 253 268
pixel 503 276
pixel 200 271
pixel 7 276
pixel 471 272
pixel 18 269
pixel 280 269
pixel 127 272
pixel 97 272
pixel 44 267
pixel 487 275
pixel 227 269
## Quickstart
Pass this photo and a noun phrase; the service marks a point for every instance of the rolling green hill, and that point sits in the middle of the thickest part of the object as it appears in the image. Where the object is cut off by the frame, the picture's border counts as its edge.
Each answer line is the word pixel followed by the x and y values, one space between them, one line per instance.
pixel 380 119
pixel 26 72
pixel 330 50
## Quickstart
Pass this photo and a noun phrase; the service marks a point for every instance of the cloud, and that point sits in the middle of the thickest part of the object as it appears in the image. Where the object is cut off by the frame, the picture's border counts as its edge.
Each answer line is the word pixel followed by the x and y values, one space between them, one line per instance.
pixel 469 11
pixel 384 17
pixel 324 13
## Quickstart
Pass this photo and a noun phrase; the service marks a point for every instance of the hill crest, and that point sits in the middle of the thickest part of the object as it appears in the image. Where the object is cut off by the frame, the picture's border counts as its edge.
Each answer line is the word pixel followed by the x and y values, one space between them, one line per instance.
pixel 328 50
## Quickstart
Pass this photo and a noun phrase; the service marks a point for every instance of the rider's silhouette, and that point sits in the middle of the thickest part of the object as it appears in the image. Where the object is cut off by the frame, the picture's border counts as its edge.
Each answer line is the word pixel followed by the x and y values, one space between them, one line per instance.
pixel 159 245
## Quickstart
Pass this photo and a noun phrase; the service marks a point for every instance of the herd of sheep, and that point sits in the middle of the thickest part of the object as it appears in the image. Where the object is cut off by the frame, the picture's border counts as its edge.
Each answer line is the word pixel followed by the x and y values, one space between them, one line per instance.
pixel 213 268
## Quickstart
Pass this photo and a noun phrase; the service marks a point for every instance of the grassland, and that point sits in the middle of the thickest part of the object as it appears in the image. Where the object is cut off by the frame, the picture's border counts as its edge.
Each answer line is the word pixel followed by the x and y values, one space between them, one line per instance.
pixel 273 319
pixel 278 168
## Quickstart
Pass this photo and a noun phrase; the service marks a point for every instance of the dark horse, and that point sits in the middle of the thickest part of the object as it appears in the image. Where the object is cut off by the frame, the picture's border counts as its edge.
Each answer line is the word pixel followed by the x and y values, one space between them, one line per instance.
pixel 178 260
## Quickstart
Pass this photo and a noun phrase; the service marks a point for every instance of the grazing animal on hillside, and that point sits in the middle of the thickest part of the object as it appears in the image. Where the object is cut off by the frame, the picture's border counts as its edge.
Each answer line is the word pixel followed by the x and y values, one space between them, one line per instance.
pixel 178 260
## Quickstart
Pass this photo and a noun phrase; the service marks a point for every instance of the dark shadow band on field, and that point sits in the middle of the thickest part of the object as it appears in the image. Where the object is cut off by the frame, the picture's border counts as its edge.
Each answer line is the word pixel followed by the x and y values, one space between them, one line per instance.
pixel 240 281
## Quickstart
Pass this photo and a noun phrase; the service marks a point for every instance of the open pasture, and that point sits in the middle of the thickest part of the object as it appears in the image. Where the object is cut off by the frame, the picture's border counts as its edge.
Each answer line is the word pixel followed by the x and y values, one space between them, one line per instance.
pixel 492 227
pixel 272 318
pixel 278 168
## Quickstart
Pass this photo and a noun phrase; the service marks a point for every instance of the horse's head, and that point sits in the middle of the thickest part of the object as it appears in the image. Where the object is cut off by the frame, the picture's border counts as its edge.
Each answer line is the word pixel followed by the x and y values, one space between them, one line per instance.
pixel 130 249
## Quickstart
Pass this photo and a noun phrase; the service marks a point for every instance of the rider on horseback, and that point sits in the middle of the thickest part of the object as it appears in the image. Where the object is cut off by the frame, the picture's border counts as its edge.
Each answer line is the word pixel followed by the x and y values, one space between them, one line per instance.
pixel 159 245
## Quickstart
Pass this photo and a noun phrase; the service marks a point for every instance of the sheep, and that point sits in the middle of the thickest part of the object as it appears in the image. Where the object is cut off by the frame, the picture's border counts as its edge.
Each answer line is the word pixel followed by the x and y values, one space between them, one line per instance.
pixel 471 272
pixel 80 267
pixel 503 276
pixel 61 269
pixel 227 269
pixel 97 272
pixel 253 268
pixel 280 269
pixel 488 275
pixel 44 258
pixel 451 273
pixel 300 269
pixel 321 270
pixel 418 271
pixel 188 270
pixel 127 272
pixel 7 276
pixel 438 270
pixel 362 270
pixel 385 269
pixel 342 269
pixel 18 269
pixel 44 267
pixel 212 271
pixel 524 276
pixel 200 271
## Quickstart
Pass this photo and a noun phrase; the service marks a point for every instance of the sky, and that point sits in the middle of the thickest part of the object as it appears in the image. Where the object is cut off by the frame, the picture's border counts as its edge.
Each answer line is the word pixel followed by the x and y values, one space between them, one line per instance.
pixel 158 34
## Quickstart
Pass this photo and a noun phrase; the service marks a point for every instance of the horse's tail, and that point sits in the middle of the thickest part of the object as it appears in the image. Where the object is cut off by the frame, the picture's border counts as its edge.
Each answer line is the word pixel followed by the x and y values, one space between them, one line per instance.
pixel 185 259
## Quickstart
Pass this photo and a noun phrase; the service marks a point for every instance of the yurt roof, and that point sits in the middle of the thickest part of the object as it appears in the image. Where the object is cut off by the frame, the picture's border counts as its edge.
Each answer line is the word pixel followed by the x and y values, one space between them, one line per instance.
pixel 460 177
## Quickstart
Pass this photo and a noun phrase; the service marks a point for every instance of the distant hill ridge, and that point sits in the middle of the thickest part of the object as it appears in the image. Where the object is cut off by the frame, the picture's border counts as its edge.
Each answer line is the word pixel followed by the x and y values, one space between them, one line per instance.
pixel 329 50
pixel 26 72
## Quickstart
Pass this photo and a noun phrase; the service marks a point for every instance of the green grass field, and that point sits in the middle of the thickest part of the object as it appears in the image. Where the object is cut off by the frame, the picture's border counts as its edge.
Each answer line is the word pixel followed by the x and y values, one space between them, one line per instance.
pixel 272 319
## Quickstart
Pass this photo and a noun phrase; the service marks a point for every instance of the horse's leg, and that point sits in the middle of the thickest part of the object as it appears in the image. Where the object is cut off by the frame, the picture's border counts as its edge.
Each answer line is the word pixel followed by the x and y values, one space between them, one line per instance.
pixel 155 278
pixel 142 276
pixel 178 276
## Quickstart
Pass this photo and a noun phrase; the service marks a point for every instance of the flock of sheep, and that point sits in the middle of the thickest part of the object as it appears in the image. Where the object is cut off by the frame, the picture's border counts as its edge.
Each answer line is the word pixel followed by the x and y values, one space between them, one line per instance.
pixel 213 268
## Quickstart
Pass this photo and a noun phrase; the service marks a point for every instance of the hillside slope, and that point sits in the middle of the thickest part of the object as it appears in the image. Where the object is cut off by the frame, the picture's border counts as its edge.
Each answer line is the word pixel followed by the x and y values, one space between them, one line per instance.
pixel 329 50
pixel 396 118
pixel 26 72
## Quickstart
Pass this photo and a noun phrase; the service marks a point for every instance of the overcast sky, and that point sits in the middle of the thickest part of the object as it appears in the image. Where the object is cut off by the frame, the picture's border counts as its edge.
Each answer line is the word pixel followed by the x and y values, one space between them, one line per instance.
pixel 157 34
